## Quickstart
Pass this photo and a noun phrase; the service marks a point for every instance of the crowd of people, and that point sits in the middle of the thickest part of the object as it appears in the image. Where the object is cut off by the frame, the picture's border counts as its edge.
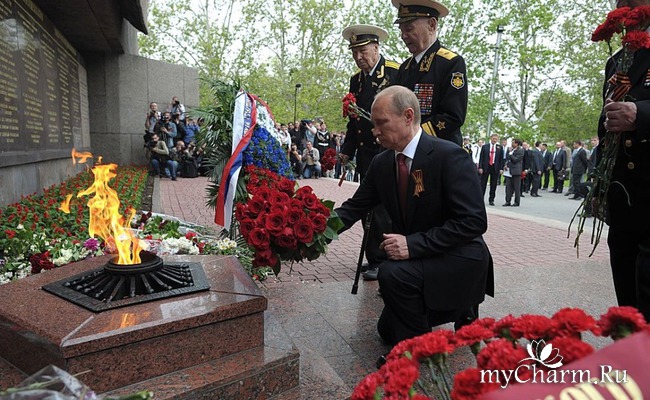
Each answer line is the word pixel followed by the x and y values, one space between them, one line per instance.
pixel 528 169
pixel 170 141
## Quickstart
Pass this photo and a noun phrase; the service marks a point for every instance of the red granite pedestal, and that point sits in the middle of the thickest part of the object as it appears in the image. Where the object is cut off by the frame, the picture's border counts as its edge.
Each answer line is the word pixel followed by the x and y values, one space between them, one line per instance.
pixel 213 344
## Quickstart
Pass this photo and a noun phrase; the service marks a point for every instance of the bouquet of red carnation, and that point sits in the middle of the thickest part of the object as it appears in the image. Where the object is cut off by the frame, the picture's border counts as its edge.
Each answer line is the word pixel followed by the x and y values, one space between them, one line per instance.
pixel 351 109
pixel 531 345
pixel 328 161
pixel 282 223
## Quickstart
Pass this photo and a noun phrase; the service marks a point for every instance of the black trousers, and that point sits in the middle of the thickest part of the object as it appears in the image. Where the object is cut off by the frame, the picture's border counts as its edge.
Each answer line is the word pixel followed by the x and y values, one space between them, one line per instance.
pixel 493 174
pixel 537 179
pixel 547 178
pixel 576 179
pixel 513 186
pixel 405 314
pixel 629 245
pixel 559 183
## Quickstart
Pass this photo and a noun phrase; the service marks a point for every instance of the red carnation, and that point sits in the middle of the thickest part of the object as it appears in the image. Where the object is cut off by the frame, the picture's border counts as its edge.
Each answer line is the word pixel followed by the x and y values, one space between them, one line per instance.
pixel 401 348
pixel 304 230
pixel 637 16
pixel 503 326
pixel 620 322
pixel 613 24
pixel 275 222
pixel 10 234
pixel 473 334
pixel 367 388
pixel 40 262
pixel 468 385
pixel 571 349
pixel 319 221
pixel 434 344
pixel 636 40
pixel 571 322
pixel 500 354
pixel 399 376
pixel 259 238
pixel 532 327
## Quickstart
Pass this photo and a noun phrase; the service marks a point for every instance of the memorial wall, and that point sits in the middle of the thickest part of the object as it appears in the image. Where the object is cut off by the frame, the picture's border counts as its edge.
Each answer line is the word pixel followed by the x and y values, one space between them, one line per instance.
pixel 43 88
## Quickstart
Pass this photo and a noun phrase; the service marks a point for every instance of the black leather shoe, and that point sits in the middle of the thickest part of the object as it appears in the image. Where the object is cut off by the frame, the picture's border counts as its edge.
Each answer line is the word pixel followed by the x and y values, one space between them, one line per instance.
pixel 535 195
pixel 491 203
pixel 576 198
pixel 516 205
pixel 381 361
pixel 506 205
pixel 371 274
pixel 365 266
pixel 522 195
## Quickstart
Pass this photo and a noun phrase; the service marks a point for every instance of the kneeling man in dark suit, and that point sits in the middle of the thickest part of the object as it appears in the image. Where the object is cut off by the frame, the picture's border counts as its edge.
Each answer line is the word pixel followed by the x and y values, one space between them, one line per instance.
pixel 438 267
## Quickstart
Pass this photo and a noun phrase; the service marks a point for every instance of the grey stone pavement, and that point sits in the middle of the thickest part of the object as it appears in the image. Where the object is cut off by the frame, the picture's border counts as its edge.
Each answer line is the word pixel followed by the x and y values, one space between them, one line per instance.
pixel 537 271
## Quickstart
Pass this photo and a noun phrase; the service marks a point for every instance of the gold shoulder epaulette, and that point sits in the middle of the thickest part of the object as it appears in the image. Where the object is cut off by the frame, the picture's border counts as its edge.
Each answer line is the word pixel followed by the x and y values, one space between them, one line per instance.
pixel 391 64
pixel 447 54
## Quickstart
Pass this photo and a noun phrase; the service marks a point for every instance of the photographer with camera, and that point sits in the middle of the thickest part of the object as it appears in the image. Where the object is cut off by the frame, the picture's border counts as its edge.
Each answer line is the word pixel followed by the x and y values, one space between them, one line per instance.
pixel 191 131
pixel 166 130
pixel 160 157
pixel 310 158
pixel 150 123
pixel 295 159
pixel 175 107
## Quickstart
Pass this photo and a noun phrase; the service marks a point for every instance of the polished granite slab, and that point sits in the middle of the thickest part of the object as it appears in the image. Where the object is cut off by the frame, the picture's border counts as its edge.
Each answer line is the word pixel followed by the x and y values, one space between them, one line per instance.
pixel 127 345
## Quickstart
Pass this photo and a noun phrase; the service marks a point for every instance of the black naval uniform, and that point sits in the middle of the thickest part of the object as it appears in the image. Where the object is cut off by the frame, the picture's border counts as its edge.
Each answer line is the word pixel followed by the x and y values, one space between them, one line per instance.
pixel 359 139
pixel 439 82
pixel 627 213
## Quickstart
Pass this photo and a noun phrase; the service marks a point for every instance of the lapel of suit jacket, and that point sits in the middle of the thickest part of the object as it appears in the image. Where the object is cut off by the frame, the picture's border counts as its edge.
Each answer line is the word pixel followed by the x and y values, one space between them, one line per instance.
pixel 392 204
pixel 420 162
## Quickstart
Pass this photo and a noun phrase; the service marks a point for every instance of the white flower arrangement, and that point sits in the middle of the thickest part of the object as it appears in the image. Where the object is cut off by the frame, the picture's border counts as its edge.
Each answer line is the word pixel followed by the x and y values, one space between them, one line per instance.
pixel 178 246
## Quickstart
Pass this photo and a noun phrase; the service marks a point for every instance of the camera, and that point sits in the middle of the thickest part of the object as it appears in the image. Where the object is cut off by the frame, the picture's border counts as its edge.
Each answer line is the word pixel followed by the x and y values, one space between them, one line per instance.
pixel 150 144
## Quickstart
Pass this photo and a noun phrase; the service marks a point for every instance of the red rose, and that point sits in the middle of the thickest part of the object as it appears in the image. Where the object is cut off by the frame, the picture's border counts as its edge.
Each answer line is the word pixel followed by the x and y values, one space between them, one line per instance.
pixel 259 238
pixel 263 193
pixel 287 186
pixel 572 321
pixel 620 322
pixel 241 211
pixel 275 222
pixel 286 239
pixel 468 385
pixel 294 215
pixel 297 204
pixel 265 258
pixel 260 221
pixel 278 208
pixel 322 209
pixel 311 201
pixel 319 221
pixel 280 198
pixel 255 206
pixel 303 191
pixel 304 230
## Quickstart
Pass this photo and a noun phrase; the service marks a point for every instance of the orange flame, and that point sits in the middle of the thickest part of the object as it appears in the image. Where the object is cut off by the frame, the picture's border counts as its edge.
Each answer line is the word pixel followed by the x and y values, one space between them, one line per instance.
pixel 82 156
pixel 65 204
pixel 105 219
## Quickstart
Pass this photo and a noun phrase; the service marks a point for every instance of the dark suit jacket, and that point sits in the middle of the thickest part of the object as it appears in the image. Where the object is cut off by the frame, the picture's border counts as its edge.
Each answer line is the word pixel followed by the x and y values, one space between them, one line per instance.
pixel 538 161
pixel 444 223
pixel 439 81
pixel 484 157
pixel 548 159
pixel 359 130
pixel 560 160
pixel 515 161
pixel 580 162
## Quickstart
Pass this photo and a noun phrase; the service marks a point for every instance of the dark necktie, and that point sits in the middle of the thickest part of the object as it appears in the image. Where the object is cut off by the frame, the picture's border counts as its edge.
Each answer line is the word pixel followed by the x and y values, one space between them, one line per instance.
pixel 402 182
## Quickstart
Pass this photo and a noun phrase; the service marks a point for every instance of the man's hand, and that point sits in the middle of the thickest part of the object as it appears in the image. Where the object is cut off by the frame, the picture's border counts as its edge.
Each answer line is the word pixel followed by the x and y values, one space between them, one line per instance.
pixel 620 116
pixel 480 171
pixel 395 246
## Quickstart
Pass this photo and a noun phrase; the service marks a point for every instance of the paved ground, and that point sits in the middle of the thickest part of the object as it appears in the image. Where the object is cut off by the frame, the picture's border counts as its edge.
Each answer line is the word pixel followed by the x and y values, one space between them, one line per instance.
pixel 536 267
